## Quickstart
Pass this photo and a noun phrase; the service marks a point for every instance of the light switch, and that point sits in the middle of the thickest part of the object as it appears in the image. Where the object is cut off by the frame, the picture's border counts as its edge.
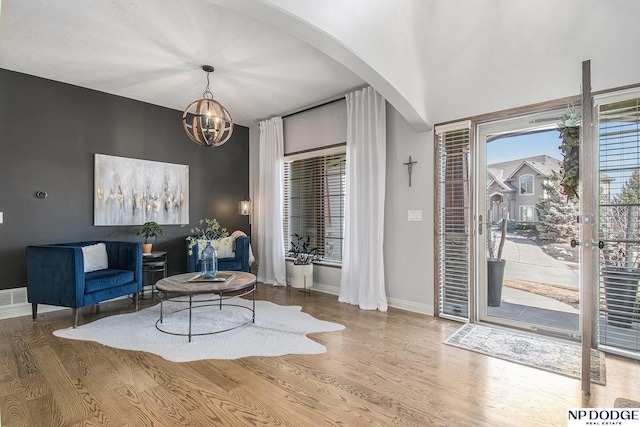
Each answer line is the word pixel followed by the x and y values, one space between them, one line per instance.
pixel 415 215
pixel 1 217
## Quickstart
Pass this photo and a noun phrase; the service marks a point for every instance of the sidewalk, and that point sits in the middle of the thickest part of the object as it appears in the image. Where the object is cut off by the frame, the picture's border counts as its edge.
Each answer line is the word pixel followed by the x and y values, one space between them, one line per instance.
pixel 516 296
pixel 526 261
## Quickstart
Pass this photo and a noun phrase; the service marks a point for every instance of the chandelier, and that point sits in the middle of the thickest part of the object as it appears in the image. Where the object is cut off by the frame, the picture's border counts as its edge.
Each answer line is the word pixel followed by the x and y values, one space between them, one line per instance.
pixel 205 120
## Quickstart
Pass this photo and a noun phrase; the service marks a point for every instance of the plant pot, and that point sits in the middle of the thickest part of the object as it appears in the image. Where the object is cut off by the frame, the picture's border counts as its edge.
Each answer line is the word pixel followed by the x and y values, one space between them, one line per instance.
pixel 620 291
pixel 146 248
pixel 301 276
pixel 495 276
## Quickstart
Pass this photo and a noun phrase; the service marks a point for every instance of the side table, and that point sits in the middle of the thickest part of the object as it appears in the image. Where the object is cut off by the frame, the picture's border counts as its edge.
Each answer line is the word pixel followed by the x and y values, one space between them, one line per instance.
pixel 154 263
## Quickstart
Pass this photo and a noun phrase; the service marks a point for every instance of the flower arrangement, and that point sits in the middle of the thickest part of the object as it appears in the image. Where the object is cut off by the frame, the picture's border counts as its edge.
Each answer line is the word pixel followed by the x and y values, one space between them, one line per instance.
pixel 207 229
pixel 301 251
pixel 569 127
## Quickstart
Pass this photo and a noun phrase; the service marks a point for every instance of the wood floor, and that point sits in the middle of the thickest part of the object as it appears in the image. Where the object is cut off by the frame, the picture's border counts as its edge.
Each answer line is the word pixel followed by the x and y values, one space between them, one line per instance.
pixel 384 369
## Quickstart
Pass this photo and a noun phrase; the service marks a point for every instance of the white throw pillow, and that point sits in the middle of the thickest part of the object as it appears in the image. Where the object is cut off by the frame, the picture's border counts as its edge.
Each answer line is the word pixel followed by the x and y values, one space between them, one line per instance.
pixel 95 257
pixel 224 247
pixel 237 234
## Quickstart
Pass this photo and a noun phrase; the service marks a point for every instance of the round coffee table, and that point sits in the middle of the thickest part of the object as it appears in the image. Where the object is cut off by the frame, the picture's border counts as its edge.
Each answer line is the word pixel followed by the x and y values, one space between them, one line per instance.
pixel 240 284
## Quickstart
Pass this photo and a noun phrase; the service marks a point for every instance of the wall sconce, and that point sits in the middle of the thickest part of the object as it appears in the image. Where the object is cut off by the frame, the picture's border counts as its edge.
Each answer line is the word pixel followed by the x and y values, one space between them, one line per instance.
pixel 244 207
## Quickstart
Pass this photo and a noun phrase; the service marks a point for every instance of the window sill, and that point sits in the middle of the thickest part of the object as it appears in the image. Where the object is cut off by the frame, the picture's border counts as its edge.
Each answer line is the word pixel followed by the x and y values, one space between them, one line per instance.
pixel 324 263
pixel 334 264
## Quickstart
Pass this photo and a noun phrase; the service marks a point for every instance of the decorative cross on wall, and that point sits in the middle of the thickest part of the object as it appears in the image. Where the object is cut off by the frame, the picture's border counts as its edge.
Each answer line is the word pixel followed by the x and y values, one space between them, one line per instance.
pixel 409 165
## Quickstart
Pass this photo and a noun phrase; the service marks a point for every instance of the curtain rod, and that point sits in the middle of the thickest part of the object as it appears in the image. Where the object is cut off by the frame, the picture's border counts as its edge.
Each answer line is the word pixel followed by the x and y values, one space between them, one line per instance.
pixel 340 98
pixel 319 104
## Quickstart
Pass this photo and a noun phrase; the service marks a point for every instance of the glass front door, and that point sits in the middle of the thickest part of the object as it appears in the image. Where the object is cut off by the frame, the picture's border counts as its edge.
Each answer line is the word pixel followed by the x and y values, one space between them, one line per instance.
pixel 527 272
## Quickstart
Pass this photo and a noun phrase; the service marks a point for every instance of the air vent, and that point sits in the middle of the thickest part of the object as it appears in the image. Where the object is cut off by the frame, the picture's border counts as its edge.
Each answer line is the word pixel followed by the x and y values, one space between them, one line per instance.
pixel 5 298
pixel 9 297
pixel 20 296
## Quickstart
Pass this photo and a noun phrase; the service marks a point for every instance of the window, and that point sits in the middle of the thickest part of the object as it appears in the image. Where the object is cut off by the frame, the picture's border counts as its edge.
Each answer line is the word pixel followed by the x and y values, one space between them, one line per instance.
pixel 619 222
pixel 526 184
pixel 453 235
pixel 314 197
pixel 526 213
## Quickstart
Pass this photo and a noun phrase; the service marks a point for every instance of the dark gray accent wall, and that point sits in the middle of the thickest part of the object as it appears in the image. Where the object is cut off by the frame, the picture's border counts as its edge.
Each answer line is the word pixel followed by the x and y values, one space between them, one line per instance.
pixel 49 134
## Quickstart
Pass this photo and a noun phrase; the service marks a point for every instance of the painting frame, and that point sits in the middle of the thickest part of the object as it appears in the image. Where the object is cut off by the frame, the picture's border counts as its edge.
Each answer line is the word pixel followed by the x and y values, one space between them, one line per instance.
pixel 129 191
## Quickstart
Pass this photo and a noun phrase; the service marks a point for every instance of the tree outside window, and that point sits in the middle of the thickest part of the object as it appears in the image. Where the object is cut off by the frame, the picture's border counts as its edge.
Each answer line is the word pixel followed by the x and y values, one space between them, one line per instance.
pixel 556 214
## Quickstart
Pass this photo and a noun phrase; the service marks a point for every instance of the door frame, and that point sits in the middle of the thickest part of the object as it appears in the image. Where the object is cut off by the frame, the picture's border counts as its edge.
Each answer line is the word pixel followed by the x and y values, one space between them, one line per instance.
pixel 535 120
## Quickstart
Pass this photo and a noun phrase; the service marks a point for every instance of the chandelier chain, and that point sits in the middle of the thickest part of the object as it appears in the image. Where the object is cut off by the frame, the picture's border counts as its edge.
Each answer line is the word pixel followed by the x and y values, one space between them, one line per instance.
pixel 206 90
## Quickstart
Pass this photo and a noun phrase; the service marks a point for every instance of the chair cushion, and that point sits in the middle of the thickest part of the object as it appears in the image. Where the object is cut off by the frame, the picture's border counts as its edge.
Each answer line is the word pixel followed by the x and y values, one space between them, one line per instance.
pixel 105 279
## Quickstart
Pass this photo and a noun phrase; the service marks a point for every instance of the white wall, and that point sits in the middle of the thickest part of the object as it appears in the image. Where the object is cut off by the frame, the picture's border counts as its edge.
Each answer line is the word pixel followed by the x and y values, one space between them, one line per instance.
pixel 408 246
pixel 456 58
pixel 321 126
pixel 381 33
pixel 492 55
pixel 381 41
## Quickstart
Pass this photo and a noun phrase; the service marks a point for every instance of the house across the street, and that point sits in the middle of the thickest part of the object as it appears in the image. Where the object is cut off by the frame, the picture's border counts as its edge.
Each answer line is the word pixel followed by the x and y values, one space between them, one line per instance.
pixel 514 187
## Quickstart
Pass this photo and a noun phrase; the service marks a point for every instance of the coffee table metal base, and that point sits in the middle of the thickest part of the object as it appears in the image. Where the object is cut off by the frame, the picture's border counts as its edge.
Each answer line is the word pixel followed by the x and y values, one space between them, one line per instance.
pixel 219 302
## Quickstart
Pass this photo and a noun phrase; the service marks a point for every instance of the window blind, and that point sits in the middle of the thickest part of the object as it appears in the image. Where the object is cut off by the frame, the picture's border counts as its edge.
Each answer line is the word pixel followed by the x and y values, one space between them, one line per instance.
pixel 453 199
pixel 619 226
pixel 314 197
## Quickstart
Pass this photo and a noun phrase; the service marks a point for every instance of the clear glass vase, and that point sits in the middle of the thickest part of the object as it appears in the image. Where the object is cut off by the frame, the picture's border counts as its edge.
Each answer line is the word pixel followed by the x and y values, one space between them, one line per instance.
pixel 209 262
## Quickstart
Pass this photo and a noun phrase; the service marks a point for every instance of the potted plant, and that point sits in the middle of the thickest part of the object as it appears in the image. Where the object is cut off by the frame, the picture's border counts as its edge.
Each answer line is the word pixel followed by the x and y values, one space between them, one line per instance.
pixel 149 229
pixel 495 268
pixel 303 257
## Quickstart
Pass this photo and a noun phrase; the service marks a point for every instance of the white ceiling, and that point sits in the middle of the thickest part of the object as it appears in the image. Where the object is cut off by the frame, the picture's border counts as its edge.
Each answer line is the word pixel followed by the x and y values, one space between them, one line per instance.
pixel 152 50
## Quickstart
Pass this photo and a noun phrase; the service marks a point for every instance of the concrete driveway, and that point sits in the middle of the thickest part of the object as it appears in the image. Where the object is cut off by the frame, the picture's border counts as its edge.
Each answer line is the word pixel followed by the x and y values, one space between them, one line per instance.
pixel 526 261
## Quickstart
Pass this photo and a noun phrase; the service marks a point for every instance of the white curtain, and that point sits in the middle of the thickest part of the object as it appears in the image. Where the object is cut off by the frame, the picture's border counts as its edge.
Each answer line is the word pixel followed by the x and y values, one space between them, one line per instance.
pixel 271 264
pixel 362 281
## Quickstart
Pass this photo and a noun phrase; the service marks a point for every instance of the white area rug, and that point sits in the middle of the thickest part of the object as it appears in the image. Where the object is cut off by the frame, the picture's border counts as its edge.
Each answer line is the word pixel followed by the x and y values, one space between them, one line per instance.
pixel 551 355
pixel 278 330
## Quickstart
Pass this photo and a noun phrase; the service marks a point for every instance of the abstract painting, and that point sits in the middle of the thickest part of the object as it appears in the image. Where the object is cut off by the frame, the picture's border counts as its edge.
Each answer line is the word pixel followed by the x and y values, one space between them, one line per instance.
pixel 133 191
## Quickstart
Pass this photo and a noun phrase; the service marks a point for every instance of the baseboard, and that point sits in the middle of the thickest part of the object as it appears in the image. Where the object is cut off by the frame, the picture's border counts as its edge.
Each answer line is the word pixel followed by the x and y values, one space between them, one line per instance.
pixel 19 310
pixel 392 302
pixel 13 304
pixel 24 309
pixel 410 306
pixel 326 289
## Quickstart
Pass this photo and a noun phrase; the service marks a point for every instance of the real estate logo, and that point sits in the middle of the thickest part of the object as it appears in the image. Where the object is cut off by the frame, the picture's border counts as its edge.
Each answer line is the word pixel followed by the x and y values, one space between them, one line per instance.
pixel 625 417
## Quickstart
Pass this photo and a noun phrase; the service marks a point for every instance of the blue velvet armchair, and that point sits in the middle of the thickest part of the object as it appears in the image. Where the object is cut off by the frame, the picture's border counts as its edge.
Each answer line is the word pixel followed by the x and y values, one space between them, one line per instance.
pixel 56 275
pixel 239 262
